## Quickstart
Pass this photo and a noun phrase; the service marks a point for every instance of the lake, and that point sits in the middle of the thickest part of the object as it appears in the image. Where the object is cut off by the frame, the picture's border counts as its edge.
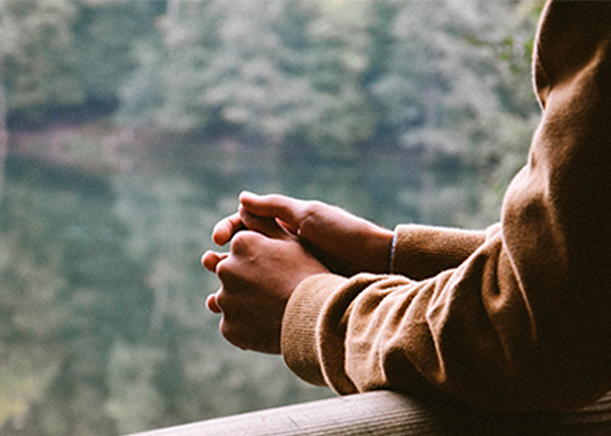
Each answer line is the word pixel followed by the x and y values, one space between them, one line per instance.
pixel 104 327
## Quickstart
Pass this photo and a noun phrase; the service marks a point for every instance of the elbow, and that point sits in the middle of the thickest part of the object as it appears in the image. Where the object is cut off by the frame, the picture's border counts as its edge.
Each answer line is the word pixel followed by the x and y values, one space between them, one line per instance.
pixel 555 386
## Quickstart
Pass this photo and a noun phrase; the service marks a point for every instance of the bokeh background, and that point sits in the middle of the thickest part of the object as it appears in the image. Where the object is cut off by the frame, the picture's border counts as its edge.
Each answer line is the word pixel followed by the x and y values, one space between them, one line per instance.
pixel 129 127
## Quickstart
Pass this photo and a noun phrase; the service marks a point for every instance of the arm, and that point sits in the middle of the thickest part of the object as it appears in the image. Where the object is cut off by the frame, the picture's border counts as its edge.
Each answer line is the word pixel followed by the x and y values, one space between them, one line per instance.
pixel 524 322
pixel 420 251
pixel 347 244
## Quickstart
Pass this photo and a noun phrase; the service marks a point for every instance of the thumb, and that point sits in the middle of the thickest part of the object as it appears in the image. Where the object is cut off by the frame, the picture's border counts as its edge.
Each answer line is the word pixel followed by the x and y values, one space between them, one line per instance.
pixel 285 209
pixel 264 225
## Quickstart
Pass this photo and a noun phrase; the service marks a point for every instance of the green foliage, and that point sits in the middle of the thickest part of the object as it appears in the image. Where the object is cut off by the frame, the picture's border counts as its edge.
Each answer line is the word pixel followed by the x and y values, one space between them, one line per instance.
pixel 282 68
pixel 340 51
pixel 463 90
pixel 64 53
pixel 253 85
pixel 189 31
pixel 411 110
pixel 67 290
pixel 105 33
pixel 37 63
pixel 332 76
pixel 134 402
pixel 328 75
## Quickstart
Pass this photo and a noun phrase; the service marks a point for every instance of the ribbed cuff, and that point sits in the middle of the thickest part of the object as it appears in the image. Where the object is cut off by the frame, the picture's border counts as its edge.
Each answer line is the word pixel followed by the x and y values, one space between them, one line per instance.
pixel 299 342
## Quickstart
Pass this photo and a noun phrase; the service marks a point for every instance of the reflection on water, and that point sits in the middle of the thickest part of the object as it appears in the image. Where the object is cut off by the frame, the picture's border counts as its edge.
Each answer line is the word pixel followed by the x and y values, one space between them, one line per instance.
pixel 103 322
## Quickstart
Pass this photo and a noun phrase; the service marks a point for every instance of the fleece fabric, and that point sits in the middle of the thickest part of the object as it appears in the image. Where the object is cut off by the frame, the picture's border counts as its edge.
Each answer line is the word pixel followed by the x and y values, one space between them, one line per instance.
pixel 516 317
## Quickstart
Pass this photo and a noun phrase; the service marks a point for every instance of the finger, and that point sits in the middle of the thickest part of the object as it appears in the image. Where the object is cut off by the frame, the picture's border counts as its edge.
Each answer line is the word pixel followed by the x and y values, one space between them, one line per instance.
pixel 264 225
pixel 212 305
pixel 286 209
pixel 225 229
pixel 211 259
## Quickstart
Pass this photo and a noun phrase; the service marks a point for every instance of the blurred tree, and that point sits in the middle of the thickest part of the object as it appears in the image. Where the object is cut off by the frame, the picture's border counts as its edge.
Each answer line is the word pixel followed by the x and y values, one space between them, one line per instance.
pixel 3 135
pixel 133 400
pixel 69 293
pixel 260 80
pixel 458 85
pixel 68 53
pixel 186 64
pixel 4 50
pixel 338 56
pixel 37 61
pixel 105 33
pixel 142 92
pixel 31 315
pixel 283 68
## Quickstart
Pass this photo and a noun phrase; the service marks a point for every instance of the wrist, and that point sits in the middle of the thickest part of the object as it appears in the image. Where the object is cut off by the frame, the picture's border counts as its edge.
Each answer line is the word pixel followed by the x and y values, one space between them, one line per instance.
pixel 380 249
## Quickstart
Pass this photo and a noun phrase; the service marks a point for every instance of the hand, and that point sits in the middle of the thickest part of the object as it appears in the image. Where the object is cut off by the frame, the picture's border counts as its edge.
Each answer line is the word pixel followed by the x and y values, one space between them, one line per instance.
pixel 258 276
pixel 345 243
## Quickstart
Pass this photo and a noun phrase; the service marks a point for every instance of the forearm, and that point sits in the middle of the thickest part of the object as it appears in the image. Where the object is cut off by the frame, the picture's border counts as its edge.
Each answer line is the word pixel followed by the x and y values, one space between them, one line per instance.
pixel 522 323
pixel 420 251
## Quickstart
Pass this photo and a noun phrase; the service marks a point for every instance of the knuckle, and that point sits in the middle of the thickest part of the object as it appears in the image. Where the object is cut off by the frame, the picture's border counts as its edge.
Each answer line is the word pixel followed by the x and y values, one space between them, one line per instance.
pixel 312 212
pixel 315 208
pixel 228 272
pixel 221 300
pixel 274 198
pixel 239 243
pixel 223 269
pixel 242 241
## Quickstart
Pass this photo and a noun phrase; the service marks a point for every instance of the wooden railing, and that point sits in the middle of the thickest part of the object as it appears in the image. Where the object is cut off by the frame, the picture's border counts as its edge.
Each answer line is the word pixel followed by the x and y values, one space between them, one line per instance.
pixel 386 413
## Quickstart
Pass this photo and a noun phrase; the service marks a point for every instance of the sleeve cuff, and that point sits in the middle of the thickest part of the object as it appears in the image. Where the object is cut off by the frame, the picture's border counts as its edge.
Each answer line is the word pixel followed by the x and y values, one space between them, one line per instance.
pixel 299 342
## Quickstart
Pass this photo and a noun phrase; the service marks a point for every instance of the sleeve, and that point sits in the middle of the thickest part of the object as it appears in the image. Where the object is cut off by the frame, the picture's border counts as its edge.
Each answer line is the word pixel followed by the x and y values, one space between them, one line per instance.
pixel 523 322
pixel 421 251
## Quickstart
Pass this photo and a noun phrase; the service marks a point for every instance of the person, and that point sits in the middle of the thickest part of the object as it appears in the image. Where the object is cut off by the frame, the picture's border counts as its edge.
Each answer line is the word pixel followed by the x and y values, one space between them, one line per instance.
pixel 516 317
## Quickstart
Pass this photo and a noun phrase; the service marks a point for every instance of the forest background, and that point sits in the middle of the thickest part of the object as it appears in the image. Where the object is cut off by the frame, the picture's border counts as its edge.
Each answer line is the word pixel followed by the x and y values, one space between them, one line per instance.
pixel 127 129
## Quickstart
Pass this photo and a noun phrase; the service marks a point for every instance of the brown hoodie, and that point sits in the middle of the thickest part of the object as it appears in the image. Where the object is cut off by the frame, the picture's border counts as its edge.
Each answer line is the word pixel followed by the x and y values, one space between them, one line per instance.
pixel 514 318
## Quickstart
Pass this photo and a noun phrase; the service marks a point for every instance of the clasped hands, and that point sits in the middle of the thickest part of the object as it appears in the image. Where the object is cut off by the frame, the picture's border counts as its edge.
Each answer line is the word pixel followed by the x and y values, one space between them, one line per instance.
pixel 276 242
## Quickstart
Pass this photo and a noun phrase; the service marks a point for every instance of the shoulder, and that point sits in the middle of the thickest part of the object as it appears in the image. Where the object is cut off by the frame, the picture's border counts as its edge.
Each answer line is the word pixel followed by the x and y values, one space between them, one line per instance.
pixel 569 35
